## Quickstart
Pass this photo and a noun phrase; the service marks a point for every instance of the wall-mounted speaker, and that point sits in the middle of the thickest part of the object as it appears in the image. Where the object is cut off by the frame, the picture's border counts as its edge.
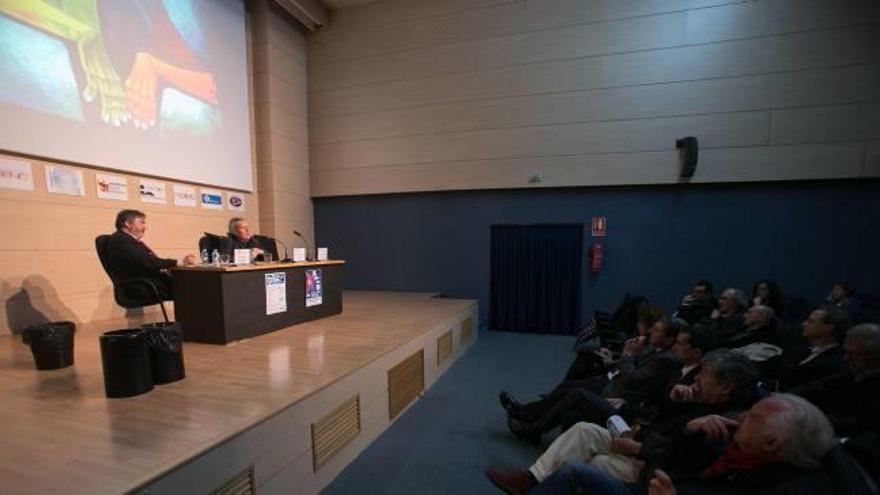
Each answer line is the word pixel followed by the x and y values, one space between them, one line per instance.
pixel 688 152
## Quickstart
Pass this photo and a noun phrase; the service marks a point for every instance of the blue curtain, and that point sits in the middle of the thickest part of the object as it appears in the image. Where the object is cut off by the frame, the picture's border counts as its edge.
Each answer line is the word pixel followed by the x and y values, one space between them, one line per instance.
pixel 536 278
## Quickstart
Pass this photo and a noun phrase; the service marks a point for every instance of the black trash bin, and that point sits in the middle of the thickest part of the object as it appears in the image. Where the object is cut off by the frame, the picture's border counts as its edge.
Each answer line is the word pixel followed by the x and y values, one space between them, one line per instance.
pixel 165 341
pixel 126 360
pixel 51 344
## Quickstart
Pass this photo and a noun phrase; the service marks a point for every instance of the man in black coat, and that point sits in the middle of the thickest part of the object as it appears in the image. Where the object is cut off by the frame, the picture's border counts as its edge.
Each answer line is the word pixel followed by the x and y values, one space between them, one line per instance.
pixel 644 373
pixel 851 397
pixel 824 329
pixel 128 257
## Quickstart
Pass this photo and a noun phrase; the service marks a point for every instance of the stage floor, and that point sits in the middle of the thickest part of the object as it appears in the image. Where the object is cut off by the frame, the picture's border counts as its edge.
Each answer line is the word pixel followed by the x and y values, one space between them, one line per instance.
pixel 58 433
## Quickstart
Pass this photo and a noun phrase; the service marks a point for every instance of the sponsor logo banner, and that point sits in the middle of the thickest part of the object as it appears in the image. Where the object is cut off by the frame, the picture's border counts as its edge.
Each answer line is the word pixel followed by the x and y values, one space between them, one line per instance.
pixel 16 174
pixel 185 195
pixel 212 199
pixel 235 201
pixel 152 191
pixel 63 180
pixel 111 187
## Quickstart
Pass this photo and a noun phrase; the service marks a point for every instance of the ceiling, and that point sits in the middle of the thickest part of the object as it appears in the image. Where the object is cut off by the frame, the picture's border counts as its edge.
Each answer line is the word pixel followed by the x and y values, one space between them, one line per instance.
pixel 341 4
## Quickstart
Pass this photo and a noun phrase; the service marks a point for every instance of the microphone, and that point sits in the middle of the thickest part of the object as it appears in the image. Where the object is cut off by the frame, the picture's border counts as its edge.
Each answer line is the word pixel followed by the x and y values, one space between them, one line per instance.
pixel 286 257
pixel 296 233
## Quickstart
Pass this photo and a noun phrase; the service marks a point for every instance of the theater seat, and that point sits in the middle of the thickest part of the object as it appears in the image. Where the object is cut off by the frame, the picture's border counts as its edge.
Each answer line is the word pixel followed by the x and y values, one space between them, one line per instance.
pixel 124 288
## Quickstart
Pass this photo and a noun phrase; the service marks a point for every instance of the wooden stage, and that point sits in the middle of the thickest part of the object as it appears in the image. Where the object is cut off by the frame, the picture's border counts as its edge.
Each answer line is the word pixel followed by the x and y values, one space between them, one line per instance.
pixel 287 411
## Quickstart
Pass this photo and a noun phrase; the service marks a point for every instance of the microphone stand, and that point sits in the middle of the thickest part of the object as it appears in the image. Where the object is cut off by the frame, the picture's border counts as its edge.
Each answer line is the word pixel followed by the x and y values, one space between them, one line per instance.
pixel 286 257
pixel 308 257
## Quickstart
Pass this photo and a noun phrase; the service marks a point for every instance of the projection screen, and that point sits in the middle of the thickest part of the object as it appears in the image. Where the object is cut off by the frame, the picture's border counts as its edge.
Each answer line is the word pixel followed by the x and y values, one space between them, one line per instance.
pixel 157 87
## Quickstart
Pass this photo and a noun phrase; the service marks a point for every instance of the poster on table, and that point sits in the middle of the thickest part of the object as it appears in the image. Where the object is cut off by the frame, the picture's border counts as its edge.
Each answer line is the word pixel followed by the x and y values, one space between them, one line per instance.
pixel 152 191
pixel 276 293
pixel 16 174
pixel 185 196
pixel 63 180
pixel 314 287
pixel 212 199
pixel 111 187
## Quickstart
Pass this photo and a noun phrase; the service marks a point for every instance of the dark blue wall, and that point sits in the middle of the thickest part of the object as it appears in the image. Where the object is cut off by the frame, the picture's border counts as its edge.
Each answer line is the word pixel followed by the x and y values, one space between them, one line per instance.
pixel 660 238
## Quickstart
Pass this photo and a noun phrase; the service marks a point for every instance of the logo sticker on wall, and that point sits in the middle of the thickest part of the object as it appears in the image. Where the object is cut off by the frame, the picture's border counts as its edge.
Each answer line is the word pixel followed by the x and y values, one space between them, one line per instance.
pixel 185 195
pixel 152 191
pixel 212 199
pixel 63 180
pixel 111 187
pixel 16 174
pixel 235 201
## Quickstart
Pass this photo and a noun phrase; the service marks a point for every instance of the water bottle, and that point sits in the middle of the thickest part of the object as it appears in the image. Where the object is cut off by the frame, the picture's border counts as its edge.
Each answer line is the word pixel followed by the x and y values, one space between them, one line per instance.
pixel 205 258
pixel 215 257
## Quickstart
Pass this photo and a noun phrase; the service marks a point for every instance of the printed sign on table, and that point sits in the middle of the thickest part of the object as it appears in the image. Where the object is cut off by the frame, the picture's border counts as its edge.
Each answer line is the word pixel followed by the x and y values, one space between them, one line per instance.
pixel 212 199
pixel 16 174
pixel 185 195
pixel 235 201
pixel 322 254
pixel 276 293
pixel 314 287
pixel 63 180
pixel 152 191
pixel 111 187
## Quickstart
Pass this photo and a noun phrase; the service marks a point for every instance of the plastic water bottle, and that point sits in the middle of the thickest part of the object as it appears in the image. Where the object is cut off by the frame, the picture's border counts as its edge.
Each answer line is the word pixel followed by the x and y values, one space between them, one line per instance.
pixel 205 258
pixel 215 257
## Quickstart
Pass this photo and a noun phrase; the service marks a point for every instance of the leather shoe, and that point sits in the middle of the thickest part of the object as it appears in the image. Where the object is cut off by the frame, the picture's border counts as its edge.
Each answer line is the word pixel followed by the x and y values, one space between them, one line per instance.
pixel 516 483
pixel 524 431
pixel 511 405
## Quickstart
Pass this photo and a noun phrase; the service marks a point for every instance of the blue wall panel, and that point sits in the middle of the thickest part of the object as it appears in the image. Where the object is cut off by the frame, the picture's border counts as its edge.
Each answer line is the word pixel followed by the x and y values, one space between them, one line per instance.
pixel 660 238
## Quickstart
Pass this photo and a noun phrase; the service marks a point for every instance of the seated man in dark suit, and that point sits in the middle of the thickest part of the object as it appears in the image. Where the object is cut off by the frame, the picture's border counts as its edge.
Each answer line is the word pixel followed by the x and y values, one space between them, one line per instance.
pixel 698 305
pixel 824 330
pixel 759 325
pixel 725 385
pixel 129 257
pixel 851 397
pixel 241 237
pixel 728 319
pixel 643 374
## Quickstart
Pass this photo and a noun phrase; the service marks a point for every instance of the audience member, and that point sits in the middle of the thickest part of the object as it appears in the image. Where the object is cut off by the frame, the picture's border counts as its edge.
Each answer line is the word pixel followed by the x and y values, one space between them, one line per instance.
pixel 851 397
pixel 128 257
pixel 841 295
pixel 767 293
pixel 783 444
pixel 642 376
pixel 727 319
pixel 725 385
pixel 698 305
pixel 759 325
pixel 824 330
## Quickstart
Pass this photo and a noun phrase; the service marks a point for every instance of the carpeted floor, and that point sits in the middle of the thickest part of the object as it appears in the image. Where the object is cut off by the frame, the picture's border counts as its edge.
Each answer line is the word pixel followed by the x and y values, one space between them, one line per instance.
pixel 445 442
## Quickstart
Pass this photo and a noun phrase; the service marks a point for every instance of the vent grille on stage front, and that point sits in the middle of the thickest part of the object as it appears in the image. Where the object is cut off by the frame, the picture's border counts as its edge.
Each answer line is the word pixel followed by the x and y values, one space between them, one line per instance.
pixel 240 484
pixel 406 381
pixel 335 430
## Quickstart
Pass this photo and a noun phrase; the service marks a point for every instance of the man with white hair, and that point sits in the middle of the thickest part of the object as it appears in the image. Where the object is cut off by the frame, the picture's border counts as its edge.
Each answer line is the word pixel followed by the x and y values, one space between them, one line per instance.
pixel 759 325
pixel 727 320
pixel 779 446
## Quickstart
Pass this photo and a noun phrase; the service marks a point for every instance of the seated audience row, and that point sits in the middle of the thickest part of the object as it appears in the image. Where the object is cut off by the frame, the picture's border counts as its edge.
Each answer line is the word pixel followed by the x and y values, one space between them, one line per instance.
pixel 684 400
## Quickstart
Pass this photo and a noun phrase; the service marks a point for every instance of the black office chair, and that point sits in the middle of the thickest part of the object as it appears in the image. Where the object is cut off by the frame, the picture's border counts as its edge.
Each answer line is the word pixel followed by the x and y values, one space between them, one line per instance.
pixel 211 242
pixel 269 245
pixel 123 288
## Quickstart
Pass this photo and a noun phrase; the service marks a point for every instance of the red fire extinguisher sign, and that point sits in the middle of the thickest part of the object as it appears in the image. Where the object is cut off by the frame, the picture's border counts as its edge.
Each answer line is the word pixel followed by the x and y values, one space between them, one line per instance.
pixel 598 227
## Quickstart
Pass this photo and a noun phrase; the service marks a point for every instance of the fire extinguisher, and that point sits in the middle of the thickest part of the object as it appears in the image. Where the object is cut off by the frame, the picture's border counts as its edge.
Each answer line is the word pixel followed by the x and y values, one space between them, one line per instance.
pixel 596 257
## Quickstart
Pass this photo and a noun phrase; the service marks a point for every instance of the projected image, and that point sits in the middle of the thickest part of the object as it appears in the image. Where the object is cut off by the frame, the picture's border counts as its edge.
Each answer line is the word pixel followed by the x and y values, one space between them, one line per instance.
pixel 158 87
pixel 141 63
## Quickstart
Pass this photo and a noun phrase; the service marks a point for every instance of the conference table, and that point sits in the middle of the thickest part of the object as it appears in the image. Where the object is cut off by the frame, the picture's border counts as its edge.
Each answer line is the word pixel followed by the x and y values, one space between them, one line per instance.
pixel 219 304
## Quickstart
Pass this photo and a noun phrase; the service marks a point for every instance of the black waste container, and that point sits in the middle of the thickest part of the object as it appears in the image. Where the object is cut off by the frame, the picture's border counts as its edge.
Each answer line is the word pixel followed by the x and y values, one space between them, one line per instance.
pixel 51 344
pixel 126 360
pixel 165 341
